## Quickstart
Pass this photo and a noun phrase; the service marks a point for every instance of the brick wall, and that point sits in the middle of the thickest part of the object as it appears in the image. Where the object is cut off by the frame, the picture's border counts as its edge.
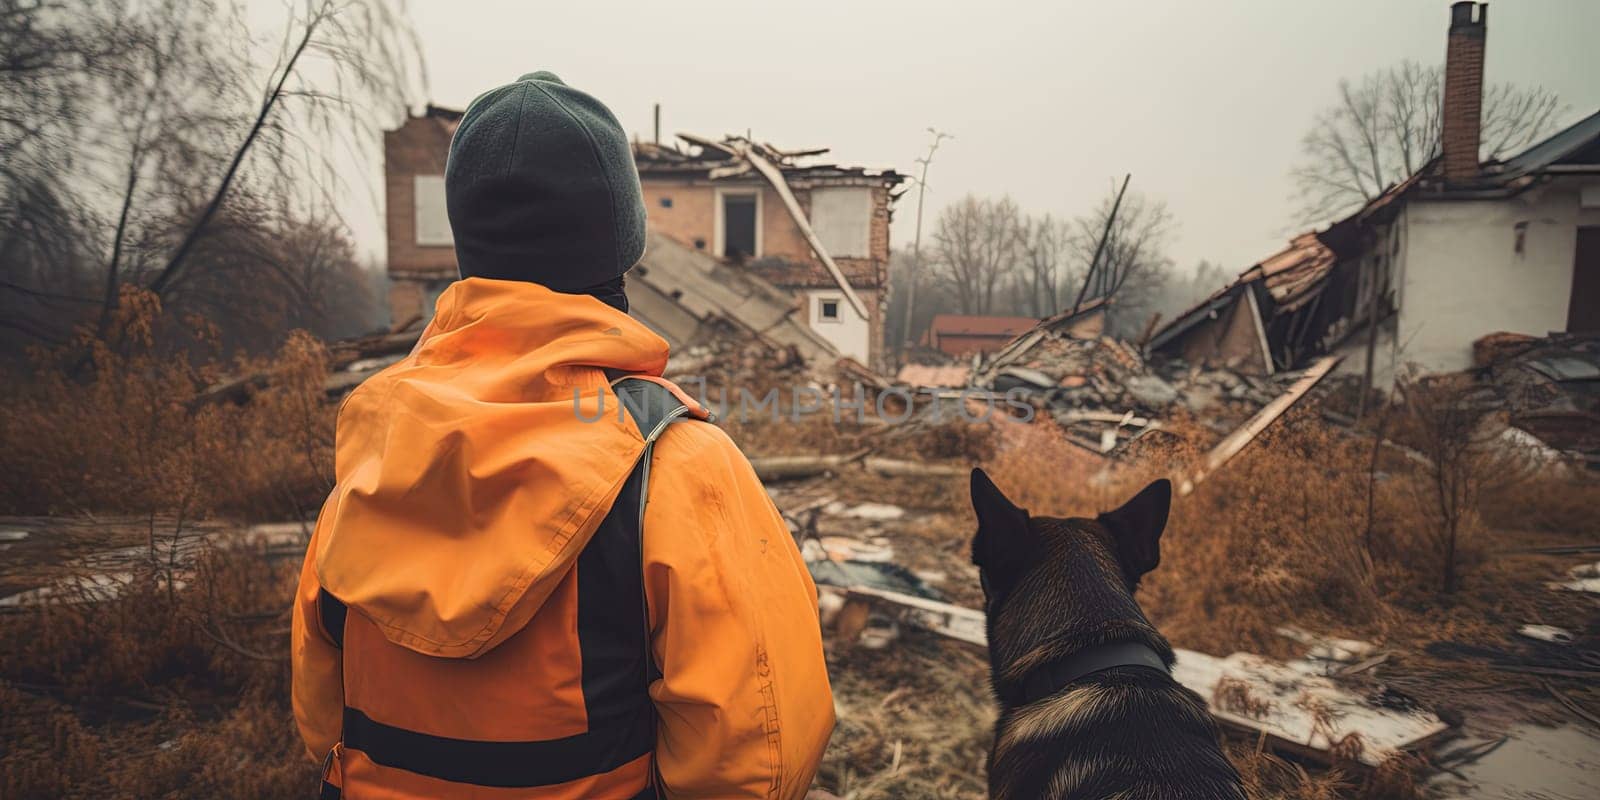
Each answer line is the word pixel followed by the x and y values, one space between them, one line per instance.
pixel 691 220
pixel 406 300
pixel 418 147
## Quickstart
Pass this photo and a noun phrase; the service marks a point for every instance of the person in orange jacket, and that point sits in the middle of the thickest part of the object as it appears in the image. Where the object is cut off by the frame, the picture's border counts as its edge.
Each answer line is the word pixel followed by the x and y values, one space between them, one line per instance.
pixel 516 591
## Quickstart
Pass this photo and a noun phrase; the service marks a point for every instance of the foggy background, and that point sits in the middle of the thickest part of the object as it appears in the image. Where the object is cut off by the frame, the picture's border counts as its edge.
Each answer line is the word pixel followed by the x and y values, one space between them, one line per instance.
pixel 1204 103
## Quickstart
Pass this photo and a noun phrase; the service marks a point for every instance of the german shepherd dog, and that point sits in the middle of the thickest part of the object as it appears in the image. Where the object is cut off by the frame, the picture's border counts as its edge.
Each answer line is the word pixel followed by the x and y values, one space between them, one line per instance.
pixel 1088 708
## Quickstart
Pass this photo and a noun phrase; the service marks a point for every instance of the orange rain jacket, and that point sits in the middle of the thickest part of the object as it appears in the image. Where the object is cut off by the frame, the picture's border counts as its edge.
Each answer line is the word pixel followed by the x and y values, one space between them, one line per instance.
pixel 468 484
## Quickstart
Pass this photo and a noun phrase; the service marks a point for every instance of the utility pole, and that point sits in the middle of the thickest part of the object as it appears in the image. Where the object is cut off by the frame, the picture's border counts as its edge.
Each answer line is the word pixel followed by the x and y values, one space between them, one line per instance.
pixel 916 241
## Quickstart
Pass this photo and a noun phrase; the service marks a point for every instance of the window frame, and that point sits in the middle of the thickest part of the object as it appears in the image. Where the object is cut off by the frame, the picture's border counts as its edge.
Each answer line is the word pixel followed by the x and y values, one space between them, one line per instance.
pixel 417 239
pixel 718 238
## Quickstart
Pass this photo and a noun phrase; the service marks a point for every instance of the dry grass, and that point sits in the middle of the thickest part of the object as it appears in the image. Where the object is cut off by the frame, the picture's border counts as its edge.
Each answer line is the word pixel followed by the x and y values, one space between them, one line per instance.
pixel 914 721
pixel 140 697
pixel 183 692
pixel 179 686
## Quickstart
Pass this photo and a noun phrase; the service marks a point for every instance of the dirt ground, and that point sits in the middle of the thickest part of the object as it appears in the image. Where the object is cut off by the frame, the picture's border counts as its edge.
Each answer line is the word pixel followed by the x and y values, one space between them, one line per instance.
pixel 178 689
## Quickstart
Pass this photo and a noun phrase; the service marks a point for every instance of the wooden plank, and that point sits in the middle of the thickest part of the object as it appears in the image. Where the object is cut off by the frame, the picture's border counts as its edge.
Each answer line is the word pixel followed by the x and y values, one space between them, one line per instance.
pixel 775 177
pixel 1233 443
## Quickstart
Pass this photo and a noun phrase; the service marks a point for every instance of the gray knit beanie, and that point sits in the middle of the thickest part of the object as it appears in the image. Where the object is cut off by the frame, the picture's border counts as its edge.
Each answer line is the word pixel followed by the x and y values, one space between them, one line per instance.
pixel 541 187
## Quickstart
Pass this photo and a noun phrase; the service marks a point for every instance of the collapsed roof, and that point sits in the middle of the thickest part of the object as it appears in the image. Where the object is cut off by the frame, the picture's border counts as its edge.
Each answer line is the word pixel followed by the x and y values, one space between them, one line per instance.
pixel 713 159
pixel 1302 301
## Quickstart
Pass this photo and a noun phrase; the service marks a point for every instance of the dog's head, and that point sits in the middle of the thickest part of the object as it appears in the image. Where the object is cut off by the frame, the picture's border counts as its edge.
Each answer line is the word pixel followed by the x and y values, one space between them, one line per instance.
pixel 1053 584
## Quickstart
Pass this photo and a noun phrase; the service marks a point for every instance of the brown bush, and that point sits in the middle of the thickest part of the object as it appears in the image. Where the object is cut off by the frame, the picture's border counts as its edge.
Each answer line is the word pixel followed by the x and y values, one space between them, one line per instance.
pixel 1275 536
pixel 179 685
pixel 127 429
pixel 161 691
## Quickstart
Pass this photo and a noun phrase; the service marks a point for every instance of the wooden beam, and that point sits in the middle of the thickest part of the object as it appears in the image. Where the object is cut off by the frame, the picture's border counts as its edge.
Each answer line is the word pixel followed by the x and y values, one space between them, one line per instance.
pixel 1235 442
pixel 775 177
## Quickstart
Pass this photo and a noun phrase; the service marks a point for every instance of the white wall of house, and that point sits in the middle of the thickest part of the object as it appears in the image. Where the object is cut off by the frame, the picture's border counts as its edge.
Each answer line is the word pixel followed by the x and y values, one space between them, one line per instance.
pixel 1464 273
pixel 845 329
pixel 841 217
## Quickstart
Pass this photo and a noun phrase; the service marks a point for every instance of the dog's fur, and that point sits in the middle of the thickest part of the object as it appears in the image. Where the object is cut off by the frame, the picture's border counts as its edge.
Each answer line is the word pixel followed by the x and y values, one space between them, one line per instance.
pixel 1053 588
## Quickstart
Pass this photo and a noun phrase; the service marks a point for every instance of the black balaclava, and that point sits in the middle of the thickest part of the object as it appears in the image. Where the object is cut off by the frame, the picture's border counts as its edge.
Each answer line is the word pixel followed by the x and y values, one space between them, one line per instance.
pixel 541 187
pixel 611 293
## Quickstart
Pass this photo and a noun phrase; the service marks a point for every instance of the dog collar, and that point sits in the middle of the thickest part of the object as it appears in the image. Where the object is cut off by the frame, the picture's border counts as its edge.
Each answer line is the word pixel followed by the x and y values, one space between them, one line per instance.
pixel 1057 675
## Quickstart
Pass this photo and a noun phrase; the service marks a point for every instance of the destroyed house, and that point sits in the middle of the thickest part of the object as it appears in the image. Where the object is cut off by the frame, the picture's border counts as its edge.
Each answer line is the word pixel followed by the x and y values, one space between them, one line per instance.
pixel 817 231
pixel 1459 250
pixel 744 239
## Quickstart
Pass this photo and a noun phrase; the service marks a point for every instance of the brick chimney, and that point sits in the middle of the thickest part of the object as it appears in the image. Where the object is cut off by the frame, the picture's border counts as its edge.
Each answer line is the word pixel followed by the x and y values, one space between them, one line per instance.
pixel 1462 114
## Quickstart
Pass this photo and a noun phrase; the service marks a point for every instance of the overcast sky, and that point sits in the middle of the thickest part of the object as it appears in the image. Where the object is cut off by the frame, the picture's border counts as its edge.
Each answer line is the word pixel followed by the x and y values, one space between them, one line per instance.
pixel 1204 102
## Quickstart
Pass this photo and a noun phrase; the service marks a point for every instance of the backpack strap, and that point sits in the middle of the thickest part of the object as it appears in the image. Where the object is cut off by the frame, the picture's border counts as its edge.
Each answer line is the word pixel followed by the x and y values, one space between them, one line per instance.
pixel 653 403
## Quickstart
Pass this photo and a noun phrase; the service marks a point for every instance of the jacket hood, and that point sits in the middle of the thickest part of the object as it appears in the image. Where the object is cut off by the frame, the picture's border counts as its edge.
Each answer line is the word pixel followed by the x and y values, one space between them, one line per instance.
pixel 467 477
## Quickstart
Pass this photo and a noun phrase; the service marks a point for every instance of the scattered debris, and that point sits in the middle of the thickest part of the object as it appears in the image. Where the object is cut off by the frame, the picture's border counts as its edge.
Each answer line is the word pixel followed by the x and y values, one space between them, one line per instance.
pixel 782 468
pixel 1236 441
pixel 1584 578
pixel 103 572
pixel 1548 388
pixel 1307 715
pixel 878 512
pixel 919 376
pixel 898 468
pixel 1546 633
pixel 1323 648
pixel 845 548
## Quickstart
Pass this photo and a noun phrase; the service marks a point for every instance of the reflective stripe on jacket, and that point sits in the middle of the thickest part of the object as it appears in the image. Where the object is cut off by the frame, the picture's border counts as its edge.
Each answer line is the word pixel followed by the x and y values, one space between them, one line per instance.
pixel 469 621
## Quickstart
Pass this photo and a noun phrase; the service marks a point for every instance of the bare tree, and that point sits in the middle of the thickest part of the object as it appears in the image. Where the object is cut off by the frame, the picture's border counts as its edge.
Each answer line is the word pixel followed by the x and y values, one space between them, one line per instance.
pixel 51 56
pixel 368 44
pixel 1045 273
pixel 1133 263
pixel 976 244
pixel 137 127
pixel 1386 125
pixel 1452 422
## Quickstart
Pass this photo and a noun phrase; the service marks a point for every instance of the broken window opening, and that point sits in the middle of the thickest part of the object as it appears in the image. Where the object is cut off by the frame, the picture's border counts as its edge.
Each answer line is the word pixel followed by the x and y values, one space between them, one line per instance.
pixel 739 236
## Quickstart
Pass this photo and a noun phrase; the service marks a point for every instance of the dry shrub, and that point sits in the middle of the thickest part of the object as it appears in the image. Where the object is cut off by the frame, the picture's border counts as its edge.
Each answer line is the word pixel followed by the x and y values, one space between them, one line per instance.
pixel 952 439
pixel 1276 535
pixel 1556 499
pixel 1237 696
pixel 1268 777
pixel 157 692
pixel 177 686
pixel 1041 470
pixel 913 721
pixel 128 428
pixel 807 434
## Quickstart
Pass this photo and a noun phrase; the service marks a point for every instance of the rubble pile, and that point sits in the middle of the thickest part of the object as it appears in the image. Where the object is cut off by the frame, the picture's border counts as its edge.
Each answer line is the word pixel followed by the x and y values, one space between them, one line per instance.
pixel 1548 387
pixel 1104 393
pixel 737 360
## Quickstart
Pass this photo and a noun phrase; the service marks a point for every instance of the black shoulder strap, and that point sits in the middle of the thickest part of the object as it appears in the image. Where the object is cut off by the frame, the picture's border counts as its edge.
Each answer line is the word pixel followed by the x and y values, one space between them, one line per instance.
pixel 652 406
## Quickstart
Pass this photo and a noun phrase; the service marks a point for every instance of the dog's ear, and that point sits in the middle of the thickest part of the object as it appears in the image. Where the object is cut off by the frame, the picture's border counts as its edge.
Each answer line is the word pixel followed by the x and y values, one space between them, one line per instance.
pixel 1004 541
pixel 1137 526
